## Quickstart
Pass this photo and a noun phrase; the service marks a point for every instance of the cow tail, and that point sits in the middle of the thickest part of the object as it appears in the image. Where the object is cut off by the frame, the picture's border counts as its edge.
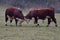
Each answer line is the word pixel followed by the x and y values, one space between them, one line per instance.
pixel 6 17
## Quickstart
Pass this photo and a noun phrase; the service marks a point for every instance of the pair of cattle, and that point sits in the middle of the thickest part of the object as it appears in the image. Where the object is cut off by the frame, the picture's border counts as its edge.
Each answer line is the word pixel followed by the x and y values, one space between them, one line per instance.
pixel 16 13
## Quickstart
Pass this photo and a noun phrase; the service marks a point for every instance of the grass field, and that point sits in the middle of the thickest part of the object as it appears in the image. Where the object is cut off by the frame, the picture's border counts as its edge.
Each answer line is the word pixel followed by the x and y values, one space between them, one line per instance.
pixel 28 31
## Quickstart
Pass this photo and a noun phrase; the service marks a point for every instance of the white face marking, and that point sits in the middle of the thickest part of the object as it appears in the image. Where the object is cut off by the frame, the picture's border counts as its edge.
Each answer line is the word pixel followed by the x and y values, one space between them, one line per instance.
pixel 17 18
pixel 20 21
pixel 47 17
pixel 27 20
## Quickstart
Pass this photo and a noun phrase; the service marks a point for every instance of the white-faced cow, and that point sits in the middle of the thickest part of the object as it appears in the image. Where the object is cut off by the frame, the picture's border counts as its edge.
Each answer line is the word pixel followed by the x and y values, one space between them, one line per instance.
pixel 42 14
pixel 13 13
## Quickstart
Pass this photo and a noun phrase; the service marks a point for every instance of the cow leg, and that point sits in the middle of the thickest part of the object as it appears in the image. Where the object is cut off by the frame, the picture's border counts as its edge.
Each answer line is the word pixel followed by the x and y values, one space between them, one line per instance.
pixel 54 19
pixel 16 21
pixel 36 21
pixel 49 21
pixel 11 19
pixel 6 19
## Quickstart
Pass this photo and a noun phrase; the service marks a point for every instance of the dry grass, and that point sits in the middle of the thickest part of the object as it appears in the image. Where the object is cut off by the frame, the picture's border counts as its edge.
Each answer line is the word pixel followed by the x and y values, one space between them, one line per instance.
pixel 28 31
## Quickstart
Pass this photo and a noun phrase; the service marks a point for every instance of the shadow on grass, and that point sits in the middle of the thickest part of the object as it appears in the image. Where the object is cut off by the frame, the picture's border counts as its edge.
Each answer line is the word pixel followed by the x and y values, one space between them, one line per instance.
pixel 26 26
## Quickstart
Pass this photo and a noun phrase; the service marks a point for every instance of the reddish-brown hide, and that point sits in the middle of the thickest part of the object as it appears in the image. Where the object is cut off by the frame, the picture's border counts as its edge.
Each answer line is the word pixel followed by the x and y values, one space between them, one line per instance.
pixel 42 14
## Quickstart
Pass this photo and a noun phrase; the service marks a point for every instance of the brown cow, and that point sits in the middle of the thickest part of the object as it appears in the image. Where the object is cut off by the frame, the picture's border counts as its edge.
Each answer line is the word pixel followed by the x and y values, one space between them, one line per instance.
pixel 13 13
pixel 42 14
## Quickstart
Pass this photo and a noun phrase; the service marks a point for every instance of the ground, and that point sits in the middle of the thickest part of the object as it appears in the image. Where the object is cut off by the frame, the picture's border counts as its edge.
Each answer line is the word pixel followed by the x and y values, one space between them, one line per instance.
pixel 28 31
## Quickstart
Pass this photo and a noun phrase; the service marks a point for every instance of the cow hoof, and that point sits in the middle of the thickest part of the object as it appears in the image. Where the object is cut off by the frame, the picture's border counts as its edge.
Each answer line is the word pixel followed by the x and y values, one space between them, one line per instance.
pixel 5 24
pixel 56 25
pixel 37 25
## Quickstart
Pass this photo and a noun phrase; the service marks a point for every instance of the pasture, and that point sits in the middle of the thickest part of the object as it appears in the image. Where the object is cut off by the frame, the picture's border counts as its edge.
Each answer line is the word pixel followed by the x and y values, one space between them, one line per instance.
pixel 28 31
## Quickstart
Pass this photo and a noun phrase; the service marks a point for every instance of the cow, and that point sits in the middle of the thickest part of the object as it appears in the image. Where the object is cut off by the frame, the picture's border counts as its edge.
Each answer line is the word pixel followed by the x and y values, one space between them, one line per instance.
pixel 13 13
pixel 42 14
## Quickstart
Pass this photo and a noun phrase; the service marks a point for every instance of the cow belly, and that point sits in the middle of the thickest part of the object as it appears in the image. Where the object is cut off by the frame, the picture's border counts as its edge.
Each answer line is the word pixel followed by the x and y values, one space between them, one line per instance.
pixel 10 14
pixel 43 18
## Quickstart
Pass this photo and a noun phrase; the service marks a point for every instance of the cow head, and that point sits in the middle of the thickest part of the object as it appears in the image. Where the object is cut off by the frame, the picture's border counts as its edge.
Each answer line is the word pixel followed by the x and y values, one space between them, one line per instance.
pixel 27 19
pixel 20 20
